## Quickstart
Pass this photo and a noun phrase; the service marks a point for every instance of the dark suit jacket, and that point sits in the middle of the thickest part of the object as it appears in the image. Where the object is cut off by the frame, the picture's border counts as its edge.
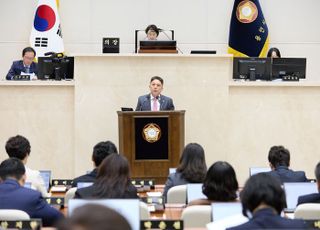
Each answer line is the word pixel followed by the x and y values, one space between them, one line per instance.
pixel 284 174
pixel 14 196
pixel 144 103
pixel 310 198
pixel 267 219
pixel 17 67
pixel 87 193
pixel 90 177
pixel 174 179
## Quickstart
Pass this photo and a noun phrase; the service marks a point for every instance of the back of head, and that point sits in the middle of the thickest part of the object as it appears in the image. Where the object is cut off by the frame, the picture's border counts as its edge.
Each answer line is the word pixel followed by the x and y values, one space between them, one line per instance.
pixel 192 164
pixel 262 189
pixel 102 150
pixel 95 217
pixel 221 182
pixel 317 172
pixel 279 156
pixel 113 177
pixel 18 147
pixel 12 168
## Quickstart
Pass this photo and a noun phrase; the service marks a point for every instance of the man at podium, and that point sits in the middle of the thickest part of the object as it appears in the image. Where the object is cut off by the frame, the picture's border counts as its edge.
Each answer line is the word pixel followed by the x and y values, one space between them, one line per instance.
pixel 155 101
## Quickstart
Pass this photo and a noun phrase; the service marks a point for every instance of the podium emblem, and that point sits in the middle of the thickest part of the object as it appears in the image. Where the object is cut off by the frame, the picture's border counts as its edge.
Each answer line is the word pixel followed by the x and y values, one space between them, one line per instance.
pixel 151 132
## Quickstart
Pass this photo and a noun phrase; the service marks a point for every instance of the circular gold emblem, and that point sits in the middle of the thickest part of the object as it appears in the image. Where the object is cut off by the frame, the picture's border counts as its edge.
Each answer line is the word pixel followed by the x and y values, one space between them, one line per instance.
pixel 247 12
pixel 151 132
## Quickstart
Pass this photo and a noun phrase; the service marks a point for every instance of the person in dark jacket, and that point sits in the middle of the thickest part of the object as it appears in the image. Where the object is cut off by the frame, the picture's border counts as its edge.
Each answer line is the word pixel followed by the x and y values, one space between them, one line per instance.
pixel 113 181
pixel 263 200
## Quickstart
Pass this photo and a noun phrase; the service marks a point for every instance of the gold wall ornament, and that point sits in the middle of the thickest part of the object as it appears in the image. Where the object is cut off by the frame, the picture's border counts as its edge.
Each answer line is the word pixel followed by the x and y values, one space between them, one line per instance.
pixel 247 12
pixel 151 132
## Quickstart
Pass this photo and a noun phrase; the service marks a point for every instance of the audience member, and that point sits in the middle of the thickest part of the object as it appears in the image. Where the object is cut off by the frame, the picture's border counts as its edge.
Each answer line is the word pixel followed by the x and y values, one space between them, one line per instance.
pixel 100 151
pixel 315 197
pixel 220 184
pixel 192 168
pixel 26 65
pixel 274 53
pixel 94 217
pixel 14 196
pixel 152 32
pixel 19 147
pixel 155 101
pixel 113 180
pixel 263 200
pixel 279 160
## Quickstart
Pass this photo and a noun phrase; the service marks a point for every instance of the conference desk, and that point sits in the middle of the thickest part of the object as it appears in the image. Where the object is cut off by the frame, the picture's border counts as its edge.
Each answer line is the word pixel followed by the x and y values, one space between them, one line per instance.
pixel 64 120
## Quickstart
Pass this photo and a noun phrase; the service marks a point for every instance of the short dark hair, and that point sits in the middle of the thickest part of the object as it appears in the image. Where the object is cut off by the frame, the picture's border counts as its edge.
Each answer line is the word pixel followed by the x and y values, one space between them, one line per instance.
pixel 317 171
pixel 262 188
pixel 18 147
pixel 94 217
pixel 274 49
pixel 221 182
pixel 102 150
pixel 156 78
pixel 28 49
pixel 192 164
pixel 12 167
pixel 279 156
pixel 153 28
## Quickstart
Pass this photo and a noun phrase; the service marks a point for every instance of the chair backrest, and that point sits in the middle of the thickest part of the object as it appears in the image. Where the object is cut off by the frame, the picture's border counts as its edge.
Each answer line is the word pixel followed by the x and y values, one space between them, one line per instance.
pixel 307 211
pixel 194 192
pixel 196 216
pixel 69 195
pixel 177 194
pixel 13 214
pixel 294 190
pixel 144 212
pixel 221 210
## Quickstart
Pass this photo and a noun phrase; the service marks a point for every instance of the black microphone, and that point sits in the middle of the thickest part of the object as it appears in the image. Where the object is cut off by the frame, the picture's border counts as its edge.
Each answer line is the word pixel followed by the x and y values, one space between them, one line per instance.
pixel 49 53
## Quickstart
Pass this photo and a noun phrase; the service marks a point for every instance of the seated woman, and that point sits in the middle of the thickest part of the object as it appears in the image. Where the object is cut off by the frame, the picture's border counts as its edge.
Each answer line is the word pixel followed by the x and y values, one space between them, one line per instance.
pixel 220 184
pixel 113 180
pixel 263 200
pixel 152 32
pixel 274 53
pixel 192 168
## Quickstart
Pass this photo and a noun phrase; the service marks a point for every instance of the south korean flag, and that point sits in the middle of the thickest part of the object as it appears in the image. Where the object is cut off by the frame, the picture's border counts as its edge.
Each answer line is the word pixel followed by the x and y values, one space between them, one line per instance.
pixel 46 33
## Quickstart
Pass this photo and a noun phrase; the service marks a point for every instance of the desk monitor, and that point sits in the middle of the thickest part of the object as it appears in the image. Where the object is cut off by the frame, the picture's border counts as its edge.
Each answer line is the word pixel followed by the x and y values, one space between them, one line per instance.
pixel 294 190
pixel 194 192
pixel 128 208
pixel 158 44
pixel 252 69
pixel 222 210
pixel 46 176
pixel 289 67
pixel 53 68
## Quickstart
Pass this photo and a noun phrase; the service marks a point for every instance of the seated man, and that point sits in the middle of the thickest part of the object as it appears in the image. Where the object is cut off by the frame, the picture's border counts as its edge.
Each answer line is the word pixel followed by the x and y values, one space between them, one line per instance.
pixel 279 160
pixel 100 151
pixel 24 66
pixel 155 101
pixel 14 196
pixel 315 197
pixel 19 147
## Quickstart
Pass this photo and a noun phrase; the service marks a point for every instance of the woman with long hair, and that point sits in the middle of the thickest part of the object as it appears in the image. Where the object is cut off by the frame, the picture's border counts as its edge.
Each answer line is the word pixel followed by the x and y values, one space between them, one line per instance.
pixel 192 168
pixel 113 180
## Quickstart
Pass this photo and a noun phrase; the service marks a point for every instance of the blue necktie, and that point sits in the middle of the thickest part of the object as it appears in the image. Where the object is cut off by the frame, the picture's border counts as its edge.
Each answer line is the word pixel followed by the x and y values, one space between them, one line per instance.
pixel 27 69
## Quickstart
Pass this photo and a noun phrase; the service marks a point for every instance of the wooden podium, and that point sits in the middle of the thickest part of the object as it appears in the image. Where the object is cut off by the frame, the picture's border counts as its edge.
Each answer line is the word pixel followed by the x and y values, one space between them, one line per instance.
pixel 151 141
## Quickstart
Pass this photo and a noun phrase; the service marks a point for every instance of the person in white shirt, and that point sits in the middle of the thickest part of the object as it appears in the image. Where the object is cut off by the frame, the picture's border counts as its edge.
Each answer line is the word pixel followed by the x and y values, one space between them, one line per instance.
pixel 19 147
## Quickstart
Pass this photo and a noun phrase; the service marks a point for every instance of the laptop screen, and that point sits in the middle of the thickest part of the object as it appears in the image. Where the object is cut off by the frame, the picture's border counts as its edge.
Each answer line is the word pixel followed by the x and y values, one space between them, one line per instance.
pixel 256 170
pixel 46 176
pixel 294 190
pixel 194 192
pixel 128 208
pixel 221 210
